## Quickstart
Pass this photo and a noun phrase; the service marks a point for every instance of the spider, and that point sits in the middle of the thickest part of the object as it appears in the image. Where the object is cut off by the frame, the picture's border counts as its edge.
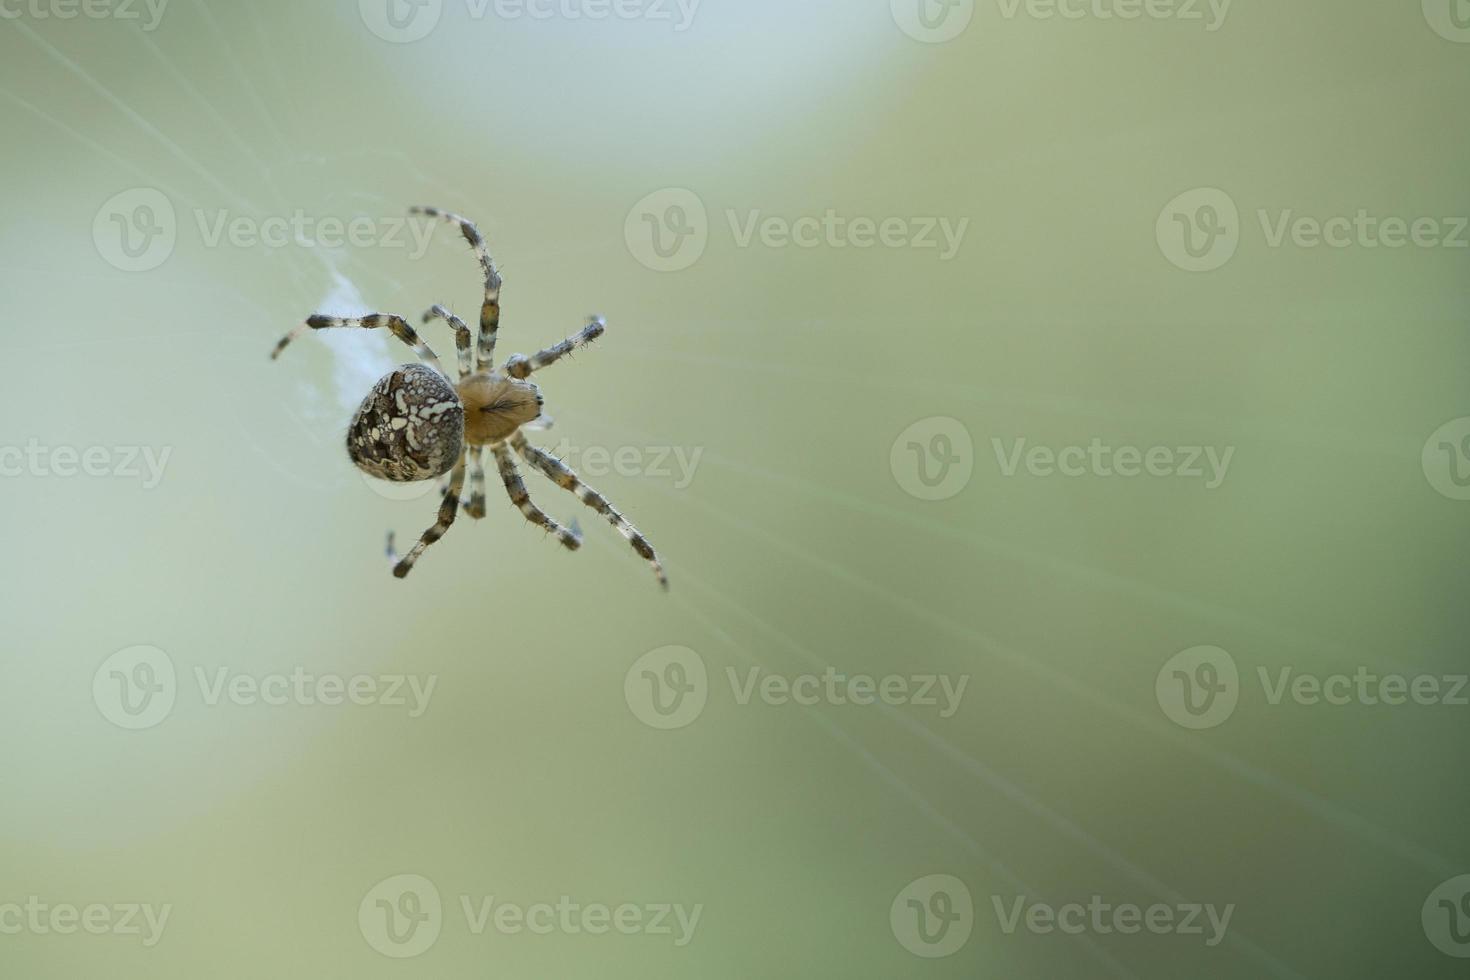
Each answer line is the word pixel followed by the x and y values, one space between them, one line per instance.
pixel 416 424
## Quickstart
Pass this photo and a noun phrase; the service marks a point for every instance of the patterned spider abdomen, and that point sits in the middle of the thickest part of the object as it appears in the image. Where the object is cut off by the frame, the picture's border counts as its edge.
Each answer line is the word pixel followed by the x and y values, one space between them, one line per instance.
pixel 410 427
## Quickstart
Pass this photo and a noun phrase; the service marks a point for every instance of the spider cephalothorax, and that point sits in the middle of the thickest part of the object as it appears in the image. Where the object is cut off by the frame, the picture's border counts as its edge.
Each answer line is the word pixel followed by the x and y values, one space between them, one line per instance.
pixel 418 424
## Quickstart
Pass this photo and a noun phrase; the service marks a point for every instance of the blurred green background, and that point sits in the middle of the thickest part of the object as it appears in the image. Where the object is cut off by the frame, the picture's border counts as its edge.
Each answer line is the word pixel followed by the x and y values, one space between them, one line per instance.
pixel 845 506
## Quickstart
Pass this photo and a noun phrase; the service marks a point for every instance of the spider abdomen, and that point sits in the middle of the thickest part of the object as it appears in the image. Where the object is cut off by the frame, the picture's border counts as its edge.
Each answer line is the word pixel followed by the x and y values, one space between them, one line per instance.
pixel 410 427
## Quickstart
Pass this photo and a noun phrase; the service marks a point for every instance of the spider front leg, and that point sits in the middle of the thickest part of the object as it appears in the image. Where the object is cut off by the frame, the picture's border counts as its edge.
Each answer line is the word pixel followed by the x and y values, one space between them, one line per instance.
pixel 490 308
pixel 562 475
pixel 448 508
pixel 515 487
pixel 397 325
pixel 463 345
pixel 475 508
pixel 520 366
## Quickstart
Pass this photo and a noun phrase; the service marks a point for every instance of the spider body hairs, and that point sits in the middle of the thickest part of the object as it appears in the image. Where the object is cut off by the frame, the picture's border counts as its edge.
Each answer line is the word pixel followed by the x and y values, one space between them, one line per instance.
pixel 419 424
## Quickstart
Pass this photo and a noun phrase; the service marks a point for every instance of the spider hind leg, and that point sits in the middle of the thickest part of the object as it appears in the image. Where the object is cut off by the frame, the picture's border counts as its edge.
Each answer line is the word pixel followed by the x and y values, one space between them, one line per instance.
pixel 562 475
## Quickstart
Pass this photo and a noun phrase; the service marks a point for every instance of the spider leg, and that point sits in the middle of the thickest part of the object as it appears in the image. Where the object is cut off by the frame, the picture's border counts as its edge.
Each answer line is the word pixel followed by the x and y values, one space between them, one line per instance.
pixel 448 508
pixel 516 488
pixel 490 309
pixel 562 475
pixel 519 365
pixel 475 507
pixel 397 325
pixel 463 345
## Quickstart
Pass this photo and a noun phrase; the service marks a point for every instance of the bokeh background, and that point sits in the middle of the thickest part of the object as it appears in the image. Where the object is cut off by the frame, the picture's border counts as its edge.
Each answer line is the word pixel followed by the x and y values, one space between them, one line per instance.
pixel 845 507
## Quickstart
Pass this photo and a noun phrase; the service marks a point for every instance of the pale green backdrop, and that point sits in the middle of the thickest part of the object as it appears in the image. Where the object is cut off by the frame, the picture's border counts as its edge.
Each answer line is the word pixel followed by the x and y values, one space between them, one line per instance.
pixel 817 419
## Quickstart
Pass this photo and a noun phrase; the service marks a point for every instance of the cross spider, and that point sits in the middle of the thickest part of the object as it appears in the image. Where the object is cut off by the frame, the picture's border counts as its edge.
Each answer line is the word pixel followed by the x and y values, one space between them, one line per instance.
pixel 416 424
